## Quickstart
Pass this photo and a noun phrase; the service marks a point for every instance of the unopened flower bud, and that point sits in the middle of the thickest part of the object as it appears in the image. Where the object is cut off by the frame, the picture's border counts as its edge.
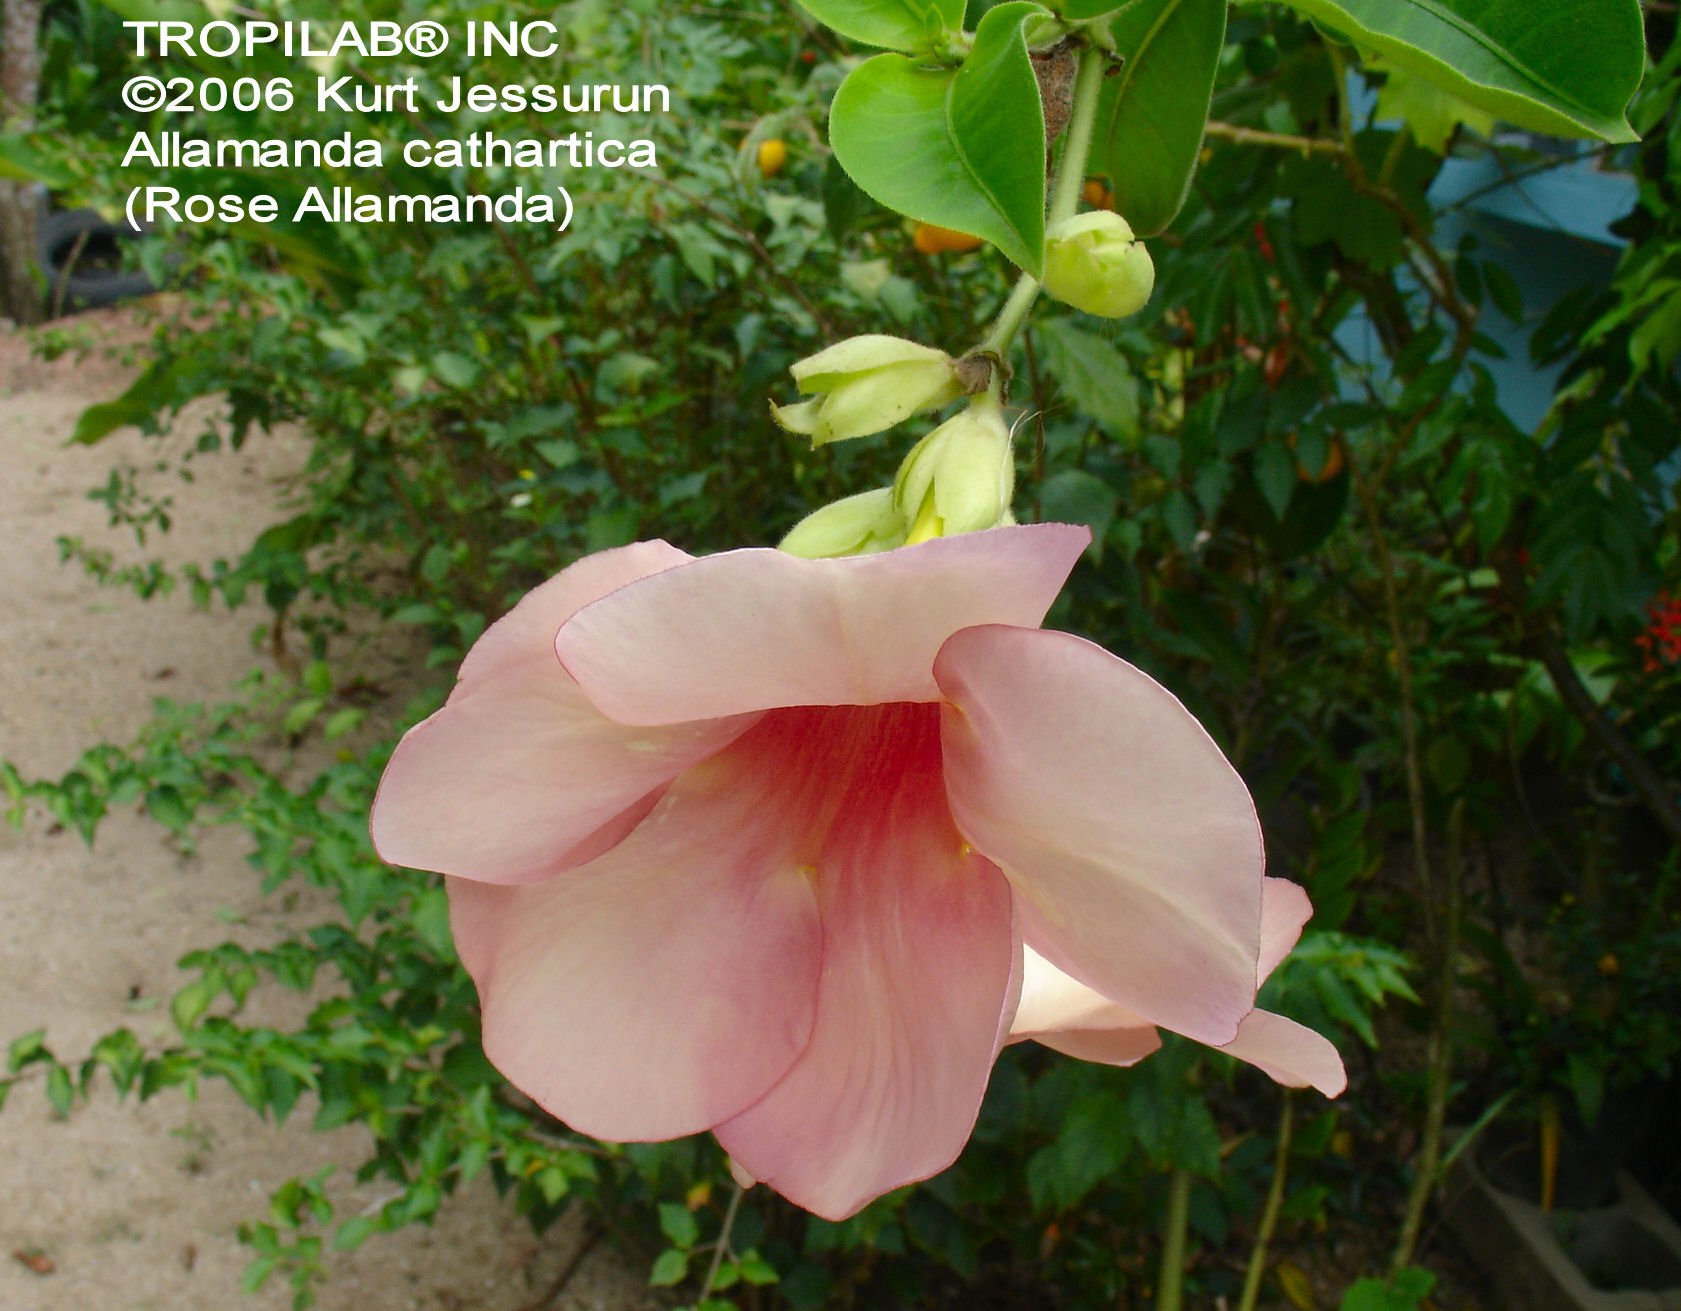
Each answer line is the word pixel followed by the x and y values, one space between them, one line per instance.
pixel 858 525
pixel 960 477
pixel 1093 262
pixel 866 384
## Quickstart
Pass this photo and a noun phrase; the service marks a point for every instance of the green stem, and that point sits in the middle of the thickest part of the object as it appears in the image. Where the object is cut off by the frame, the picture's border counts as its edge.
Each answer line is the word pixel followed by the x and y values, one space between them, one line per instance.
pixel 1170 1284
pixel 1345 111
pixel 1269 1214
pixel 1082 121
pixel 1011 317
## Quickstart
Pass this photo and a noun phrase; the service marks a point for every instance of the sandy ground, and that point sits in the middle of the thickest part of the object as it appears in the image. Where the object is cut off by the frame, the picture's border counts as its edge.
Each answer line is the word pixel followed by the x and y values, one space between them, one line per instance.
pixel 130 1207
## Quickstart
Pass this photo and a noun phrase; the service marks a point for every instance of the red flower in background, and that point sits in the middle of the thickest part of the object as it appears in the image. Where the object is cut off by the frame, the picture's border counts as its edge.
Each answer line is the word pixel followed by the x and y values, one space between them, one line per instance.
pixel 1661 642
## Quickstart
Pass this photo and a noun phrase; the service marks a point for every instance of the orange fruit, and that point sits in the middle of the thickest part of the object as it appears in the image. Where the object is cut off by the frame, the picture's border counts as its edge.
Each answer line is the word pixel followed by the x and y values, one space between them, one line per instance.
pixel 773 155
pixel 1096 193
pixel 931 239
pixel 1334 461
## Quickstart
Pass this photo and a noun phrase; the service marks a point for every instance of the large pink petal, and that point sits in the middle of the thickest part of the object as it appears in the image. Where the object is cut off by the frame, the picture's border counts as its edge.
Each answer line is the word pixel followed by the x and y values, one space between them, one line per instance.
pixel 1124 1046
pixel 527 631
pixel 1131 843
pixel 756 629
pixel 1052 1001
pixel 518 776
pixel 665 986
pixel 1290 1053
pixel 1071 1018
pixel 918 966
pixel 1285 910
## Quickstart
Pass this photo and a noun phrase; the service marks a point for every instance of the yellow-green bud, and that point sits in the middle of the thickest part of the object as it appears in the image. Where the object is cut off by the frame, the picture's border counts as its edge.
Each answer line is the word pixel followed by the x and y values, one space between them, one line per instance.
pixel 866 384
pixel 857 525
pixel 1093 262
pixel 960 477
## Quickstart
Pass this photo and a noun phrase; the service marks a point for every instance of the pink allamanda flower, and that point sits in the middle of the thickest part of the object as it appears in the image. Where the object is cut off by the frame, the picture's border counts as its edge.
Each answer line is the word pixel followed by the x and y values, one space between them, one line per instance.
pixel 784 848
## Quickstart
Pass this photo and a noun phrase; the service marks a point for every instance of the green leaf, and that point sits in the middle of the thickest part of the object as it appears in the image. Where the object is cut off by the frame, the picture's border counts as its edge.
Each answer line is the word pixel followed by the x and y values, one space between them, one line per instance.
pixel 1503 290
pixel 166 806
pixel 1093 1142
pixel 301 713
pixel 729 1273
pixel 154 390
pixel 353 1232
pixel 551 1180
pixel 58 1089
pixel 1567 67
pixel 1092 374
pixel 1275 475
pixel 191 1002
pixel 21 161
pixel 962 149
pixel 1174 1127
pixel 455 369
pixel 1410 1287
pixel 342 722
pixel 1587 1082
pixel 1151 115
pixel 257 1273
pixel 1429 111
pixel 844 205
pixel 158 9
pixel 678 1224
pixel 910 25
pixel 1080 10
pixel 670 1266
pixel 1075 496
pixel 559 452
pixel 28 1049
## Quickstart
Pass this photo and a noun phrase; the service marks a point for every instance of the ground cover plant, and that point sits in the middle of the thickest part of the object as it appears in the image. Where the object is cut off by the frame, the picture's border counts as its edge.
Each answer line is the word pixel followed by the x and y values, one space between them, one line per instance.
pixel 1437 642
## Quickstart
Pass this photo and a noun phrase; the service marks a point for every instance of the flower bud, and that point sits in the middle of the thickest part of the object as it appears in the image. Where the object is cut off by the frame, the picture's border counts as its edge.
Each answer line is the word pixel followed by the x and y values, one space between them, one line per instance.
pixel 866 384
pixel 960 477
pixel 1093 263
pixel 858 525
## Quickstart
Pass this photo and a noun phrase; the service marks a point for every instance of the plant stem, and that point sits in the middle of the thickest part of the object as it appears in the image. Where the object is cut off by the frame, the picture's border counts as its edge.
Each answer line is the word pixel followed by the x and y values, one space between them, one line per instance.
pixel 1082 124
pixel 1250 136
pixel 1275 1201
pixel 1082 121
pixel 1011 317
pixel 1170 1283
pixel 1401 654
pixel 1439 1068
pixel 723 1243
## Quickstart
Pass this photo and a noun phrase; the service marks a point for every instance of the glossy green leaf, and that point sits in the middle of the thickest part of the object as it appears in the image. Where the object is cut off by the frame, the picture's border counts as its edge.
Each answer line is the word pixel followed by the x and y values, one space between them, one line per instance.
pixel 1081 10
pixel 1151 115
pixel 964 148
pixel 895 24
pixel 1563 66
